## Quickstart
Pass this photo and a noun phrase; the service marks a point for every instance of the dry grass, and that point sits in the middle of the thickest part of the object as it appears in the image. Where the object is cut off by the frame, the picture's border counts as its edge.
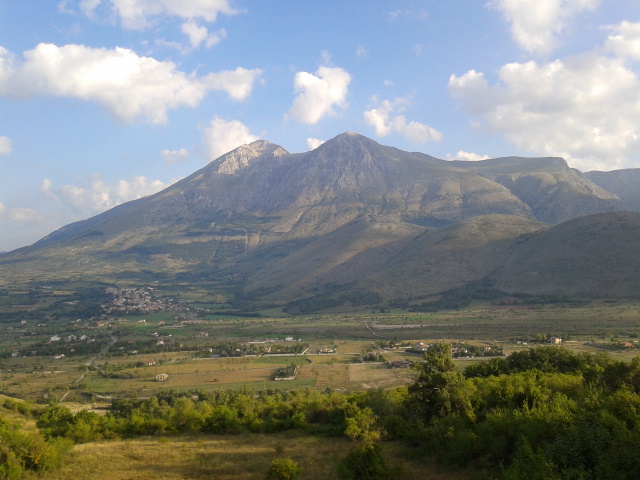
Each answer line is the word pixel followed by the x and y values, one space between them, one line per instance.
pixel 237 457
pixel 379 375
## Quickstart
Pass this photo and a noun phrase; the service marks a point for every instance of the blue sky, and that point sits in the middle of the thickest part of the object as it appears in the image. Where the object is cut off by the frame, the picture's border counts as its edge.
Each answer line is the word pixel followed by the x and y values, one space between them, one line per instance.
pixel 105 101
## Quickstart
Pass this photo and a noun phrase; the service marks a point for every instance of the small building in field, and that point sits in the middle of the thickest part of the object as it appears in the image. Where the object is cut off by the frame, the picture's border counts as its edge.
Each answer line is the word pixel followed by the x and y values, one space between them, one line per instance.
pixel 162 377
pixel 400 364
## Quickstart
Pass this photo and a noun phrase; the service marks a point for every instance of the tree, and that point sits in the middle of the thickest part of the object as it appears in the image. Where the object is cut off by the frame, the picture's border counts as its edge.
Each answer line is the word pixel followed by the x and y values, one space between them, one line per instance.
pixel 438 390
pixel 55 421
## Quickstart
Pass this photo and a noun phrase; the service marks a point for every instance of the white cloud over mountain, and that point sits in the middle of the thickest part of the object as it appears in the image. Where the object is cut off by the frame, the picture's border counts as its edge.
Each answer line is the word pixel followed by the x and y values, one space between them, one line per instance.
pixel 536 24
pixel 314 143
pixel 319 94
pixel 128 85
pixel 222 136
pixel 467 156
pixel 585 108
pixel 97 195
pixel 385 120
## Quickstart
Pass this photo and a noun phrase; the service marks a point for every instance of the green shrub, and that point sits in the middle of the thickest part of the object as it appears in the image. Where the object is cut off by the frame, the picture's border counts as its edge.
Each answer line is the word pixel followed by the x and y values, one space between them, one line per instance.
pixel 364 462
pixel 283 469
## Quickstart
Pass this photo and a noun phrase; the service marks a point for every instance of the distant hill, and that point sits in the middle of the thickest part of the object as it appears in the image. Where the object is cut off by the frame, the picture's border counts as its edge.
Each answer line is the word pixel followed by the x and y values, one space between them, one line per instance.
pixel 353 216
pixel 595 255
pixel 623 183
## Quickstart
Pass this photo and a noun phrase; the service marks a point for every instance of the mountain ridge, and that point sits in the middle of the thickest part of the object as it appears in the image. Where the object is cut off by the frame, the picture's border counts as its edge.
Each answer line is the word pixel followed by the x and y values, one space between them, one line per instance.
pixel 277 227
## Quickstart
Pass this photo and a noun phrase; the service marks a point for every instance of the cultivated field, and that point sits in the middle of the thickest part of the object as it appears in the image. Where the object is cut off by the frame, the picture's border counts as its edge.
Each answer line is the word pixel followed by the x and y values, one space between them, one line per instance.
pixel 130 350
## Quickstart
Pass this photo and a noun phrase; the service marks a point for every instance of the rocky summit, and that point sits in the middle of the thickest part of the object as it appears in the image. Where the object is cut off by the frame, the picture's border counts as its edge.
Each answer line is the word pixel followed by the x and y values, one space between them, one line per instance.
pixel 354 219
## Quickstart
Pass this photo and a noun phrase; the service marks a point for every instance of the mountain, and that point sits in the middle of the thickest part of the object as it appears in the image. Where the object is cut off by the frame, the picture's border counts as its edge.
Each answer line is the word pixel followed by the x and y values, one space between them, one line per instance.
pixel 594 255
pixel 625 184
pixel 269 227
pixel 448 257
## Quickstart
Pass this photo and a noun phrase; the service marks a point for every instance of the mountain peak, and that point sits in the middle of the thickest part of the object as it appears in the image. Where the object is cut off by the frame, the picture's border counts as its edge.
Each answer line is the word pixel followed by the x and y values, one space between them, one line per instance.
pixel 238 159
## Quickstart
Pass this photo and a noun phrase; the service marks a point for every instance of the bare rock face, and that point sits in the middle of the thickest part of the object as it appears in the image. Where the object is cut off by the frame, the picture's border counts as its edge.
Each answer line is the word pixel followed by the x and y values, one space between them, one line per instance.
pixel 280 226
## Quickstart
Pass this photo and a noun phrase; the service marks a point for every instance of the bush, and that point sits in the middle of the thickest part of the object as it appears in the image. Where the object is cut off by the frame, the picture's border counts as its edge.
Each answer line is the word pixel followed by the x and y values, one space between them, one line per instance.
pixel 283 469
pixel 364 462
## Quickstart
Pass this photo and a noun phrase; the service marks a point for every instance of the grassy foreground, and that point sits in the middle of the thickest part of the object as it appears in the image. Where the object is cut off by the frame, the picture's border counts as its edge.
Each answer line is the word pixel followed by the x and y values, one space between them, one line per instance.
pixel 237 457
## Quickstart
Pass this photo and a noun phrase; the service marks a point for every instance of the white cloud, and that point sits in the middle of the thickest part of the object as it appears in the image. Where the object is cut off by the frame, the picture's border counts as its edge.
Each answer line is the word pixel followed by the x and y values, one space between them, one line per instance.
pixel 140 14
pixel 25 215
pixel 175 156
pixel 468 156
pixel 535 24
pixel 584 108
pixel 237 83
pixel 314 143
pixel 129 86
pixel 88 7
pixel 20 214
pixel 397 15
pixel 5 146
pixel 625 41
pixel 319 94
pixel 384 120
pixel 222 136
pixel 199 35
pixel 97 195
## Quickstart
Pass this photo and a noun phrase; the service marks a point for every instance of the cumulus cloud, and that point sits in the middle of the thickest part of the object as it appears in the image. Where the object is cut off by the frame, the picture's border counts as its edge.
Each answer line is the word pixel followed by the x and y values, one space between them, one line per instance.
pixel 468 156
pixel 625 40
pixel 222 136
pixel 385 120
pixel 20 214
pixel 175 156
pixel 585 108
pixel 128 85
pixel 25 215
pixel 97 195
pixel 142 14
pixel 314 143
pixel 319 94
pixel 199 35
pixel 237 83
pixel 5 146
pixel 535 24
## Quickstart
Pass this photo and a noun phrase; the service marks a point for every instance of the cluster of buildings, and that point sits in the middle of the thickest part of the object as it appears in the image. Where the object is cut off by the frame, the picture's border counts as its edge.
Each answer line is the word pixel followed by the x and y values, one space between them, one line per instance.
pixel 138 300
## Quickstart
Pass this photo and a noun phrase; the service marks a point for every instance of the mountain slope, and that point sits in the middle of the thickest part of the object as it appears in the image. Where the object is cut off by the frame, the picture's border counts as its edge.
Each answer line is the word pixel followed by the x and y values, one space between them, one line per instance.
pixel 449 257
pixel 593 255
pixel 554 192
pixel 273 226
pixel 623 183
